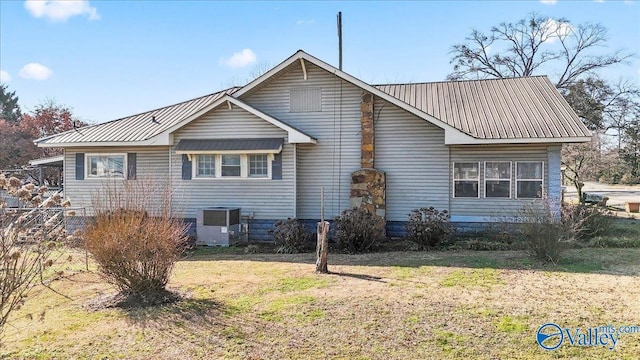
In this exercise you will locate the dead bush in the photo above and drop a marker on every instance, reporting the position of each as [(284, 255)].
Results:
[(291, 236), (429, 227), (357, 231), (136, 239), (25, 249), (545, 234), (588, 221)]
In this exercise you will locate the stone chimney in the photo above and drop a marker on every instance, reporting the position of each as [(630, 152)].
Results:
[(368, 185), (367, 142)]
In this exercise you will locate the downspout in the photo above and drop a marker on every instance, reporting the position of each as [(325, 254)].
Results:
[(449, 179), (295, 180)]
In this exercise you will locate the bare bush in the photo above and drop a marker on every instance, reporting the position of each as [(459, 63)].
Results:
[(358, 231), (544, 233), (428, 227), (588, 221), (291, 236), (25, 251), (136, 238)]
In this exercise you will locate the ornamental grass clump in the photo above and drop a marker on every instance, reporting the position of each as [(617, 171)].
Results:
[(136, 239)]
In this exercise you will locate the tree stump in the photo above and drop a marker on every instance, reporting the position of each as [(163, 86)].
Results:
[(322, 247)]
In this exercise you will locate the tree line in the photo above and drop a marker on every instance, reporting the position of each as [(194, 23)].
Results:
[(18, 130)]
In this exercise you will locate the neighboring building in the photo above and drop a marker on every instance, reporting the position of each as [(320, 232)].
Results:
[(480, 149)]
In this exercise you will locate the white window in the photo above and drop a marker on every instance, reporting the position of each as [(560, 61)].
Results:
[(466, 178), (497, 179), (216, 166), (206, 166), (529, 179), (231, 165), (258, 165), (106, 165)]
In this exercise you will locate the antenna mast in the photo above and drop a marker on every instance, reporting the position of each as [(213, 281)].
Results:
[(340, 40)]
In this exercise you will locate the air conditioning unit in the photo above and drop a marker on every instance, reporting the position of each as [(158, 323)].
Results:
[(218, 226)]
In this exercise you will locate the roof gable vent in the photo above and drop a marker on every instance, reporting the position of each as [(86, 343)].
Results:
[(305, 100)]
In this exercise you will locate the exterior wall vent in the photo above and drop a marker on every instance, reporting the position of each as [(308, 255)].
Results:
[(219, 226), (305, 100)]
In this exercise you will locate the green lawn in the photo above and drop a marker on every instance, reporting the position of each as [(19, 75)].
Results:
[(393, 305)]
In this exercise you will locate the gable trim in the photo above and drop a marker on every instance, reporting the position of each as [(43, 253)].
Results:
[(294, 135)]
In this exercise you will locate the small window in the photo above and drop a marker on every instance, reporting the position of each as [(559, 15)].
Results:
[(258, 165), (529, 179), (111, 165), (466, 176), (497, 179), (231, 165), (206, 166)]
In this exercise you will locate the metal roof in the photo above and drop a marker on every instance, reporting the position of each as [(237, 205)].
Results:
[(270, 144), (138, 127), (53, 161), (513, 108)]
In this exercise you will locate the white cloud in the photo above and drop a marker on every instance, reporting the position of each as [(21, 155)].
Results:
[(556, 29), (548, 2), (305, 22), (61, 10), (35, 71), (4, 77), (240, 59)]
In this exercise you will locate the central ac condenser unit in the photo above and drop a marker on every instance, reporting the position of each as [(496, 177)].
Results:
[(218, 226)]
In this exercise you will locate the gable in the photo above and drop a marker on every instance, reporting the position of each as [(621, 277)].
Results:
[(225, 123)]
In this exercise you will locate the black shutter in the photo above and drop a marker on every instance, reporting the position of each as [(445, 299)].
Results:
[(186, 167), (79, 166), (131, 166), (276, 167)]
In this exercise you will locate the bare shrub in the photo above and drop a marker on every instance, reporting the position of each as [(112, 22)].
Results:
[(357, 231), (24, 250), (588, 221), (291, 236), (543, 231), (136, 238), (429, 227)]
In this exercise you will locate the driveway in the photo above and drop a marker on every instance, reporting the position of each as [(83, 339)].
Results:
[(617, 194)]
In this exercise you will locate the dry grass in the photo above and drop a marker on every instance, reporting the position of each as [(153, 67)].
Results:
[(396, 305)]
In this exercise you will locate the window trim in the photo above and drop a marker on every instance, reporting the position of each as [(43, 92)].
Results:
[(244, 166), (87, 166), (540, 179), (268, 173), (195, 167), (499, 179), (453, 177)]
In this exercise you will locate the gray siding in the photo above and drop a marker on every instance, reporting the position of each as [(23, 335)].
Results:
[(496, 207), (412, 153), (330, 162), (265, 198), (152, 164)]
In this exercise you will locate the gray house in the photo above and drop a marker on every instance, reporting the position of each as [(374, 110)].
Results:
[(480, 149)]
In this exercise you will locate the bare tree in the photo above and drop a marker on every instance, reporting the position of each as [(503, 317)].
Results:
[(526, 47), (582, 162)]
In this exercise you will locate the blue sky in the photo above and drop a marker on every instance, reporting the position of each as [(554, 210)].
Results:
[(109, 59)]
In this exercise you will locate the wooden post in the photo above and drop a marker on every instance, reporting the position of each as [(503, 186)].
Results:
[(322, 245)]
